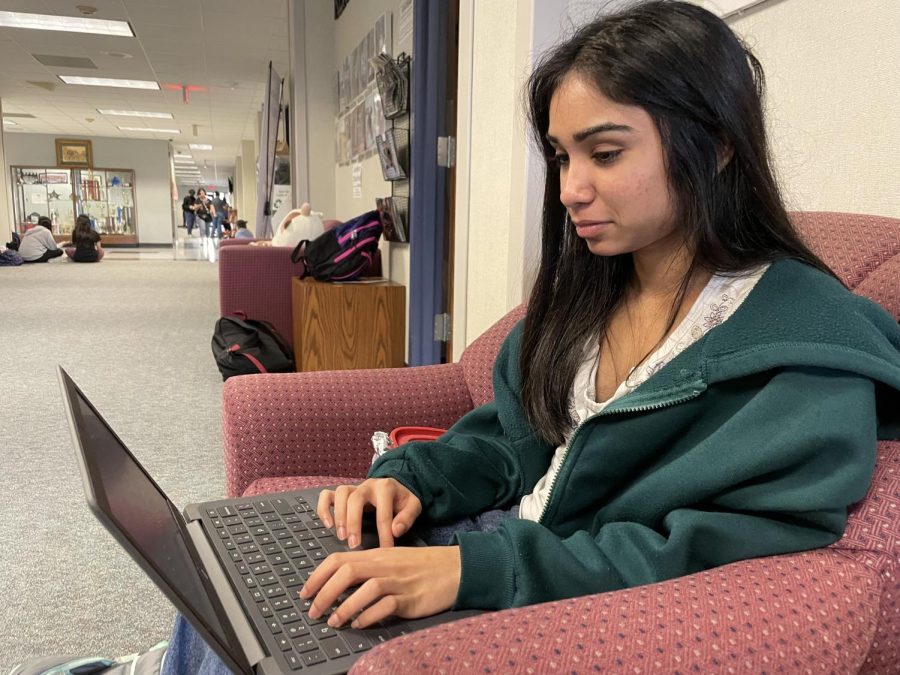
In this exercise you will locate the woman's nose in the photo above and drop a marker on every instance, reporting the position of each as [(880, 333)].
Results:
[(574, 188)]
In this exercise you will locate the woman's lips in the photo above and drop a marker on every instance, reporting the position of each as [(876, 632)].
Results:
[(588, 229)]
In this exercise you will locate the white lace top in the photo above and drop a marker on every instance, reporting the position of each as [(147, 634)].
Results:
[(719, 299)]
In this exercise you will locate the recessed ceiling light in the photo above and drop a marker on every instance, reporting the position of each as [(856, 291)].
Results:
[(117, 55), (200, 146), (109, 82), (155, 131), (135, 113), (68, 24)]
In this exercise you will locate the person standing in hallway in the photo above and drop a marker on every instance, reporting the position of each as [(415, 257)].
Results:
[(205, 210), (187, 209), (221, 213), (38, 244)]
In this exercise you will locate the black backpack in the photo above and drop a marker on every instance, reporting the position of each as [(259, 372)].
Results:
[(343, 253), (244, 346), (16, 241)]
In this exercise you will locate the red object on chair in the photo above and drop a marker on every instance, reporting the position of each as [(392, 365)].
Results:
[(831, 610)]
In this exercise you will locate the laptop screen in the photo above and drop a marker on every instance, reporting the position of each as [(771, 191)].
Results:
[(138, 509)]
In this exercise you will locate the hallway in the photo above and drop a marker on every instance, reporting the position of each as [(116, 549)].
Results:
[(134, 332)]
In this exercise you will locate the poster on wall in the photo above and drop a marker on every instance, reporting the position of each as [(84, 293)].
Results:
[(383, 34), (369, 121), (345, 83), (281, 203), (370, 54), (359, 131)]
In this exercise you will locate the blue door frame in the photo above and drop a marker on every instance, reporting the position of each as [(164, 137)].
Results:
[(428, 181)]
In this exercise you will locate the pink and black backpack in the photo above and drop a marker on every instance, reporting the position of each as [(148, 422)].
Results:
[(342, 253)]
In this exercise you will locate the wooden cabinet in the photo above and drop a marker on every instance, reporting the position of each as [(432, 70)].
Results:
[(342, 326)]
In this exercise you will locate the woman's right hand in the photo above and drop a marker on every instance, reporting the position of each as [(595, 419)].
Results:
[(396, 509)]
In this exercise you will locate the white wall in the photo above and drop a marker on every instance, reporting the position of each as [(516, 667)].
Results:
[(833, 73), (499, 173), (148, 159)]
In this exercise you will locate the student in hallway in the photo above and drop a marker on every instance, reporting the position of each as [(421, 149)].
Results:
[(188, 208), (85, 246), (38, 244), (652, 414), (242, 231)]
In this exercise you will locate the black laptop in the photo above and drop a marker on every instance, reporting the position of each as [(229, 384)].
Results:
[(231, 567)]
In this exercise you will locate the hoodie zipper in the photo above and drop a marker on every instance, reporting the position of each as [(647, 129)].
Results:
[(639, 408)]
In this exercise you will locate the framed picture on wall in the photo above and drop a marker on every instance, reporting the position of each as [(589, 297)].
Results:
[(72, 152)]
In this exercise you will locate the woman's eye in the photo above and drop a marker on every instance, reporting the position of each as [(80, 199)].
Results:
[(606, 156), (559, 160)]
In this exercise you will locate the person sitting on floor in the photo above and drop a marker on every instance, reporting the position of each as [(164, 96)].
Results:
[(38, 244), (242, 231), (85, 246)]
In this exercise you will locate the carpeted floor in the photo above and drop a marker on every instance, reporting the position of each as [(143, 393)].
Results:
[(135, 336)]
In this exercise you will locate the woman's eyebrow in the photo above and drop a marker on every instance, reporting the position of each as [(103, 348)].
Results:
[(590, 131)]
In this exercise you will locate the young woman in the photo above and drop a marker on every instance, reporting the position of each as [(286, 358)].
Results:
[(652, 414), (85, 246), (204, 210)]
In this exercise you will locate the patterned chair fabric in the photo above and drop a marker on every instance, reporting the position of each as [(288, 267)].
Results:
[(834, 610)]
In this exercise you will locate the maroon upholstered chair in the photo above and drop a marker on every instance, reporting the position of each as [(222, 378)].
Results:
[(834, 610), (256, 280)]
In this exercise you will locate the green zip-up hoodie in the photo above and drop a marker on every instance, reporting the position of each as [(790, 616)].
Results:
[(751, 442)]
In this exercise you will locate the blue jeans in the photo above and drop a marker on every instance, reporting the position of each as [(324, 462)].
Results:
[(189, 654), (217, 226), (189, 217)]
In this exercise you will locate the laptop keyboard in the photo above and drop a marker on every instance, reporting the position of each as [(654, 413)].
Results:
[(274, 545)]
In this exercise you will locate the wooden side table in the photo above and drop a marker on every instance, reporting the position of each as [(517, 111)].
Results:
[(342, 326)]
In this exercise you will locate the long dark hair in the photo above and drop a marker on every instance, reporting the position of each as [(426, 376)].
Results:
[(82, 229), (703, 88)]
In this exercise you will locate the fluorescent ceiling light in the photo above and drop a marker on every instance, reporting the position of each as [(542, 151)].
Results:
[(200, 146), (187, 160), (11, 123), (135, 113), (108, 82), (181, 155), (69, 24), (155, 131)]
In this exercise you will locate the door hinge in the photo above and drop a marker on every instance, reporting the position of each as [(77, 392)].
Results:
[(446, 151), (442, 327)]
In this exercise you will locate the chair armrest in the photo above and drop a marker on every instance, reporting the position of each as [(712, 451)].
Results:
[(808, 612), (321, 423)]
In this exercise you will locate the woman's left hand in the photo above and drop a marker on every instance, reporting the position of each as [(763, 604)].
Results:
[(406, 582)]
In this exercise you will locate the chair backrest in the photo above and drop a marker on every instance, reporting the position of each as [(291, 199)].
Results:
[(865, 252)]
